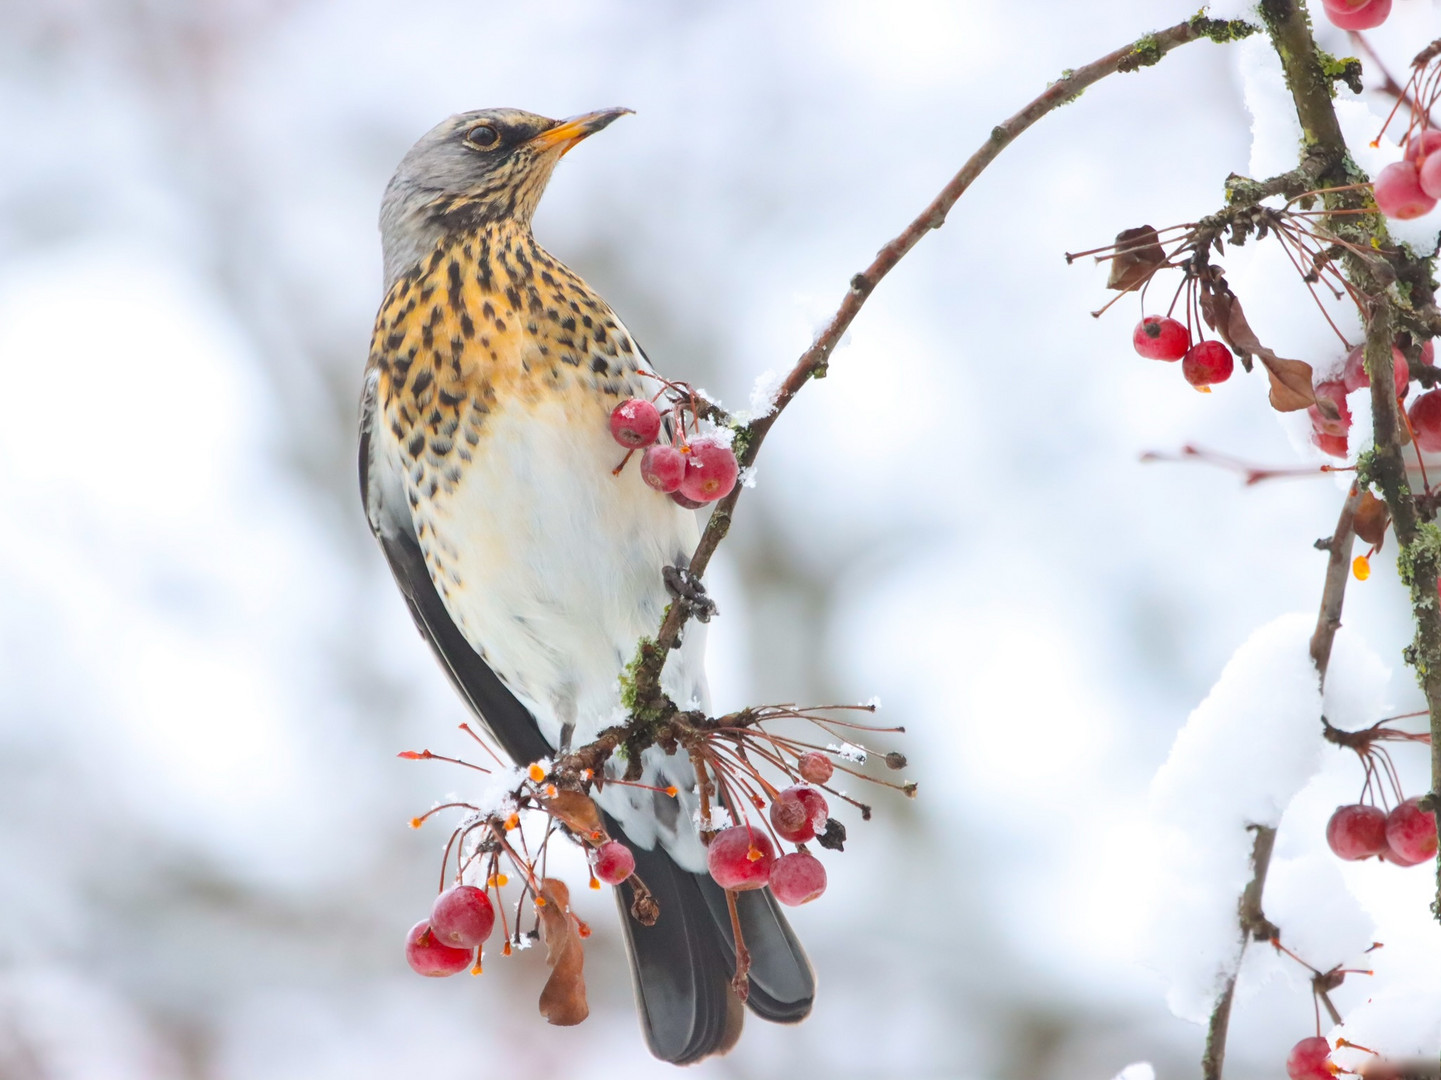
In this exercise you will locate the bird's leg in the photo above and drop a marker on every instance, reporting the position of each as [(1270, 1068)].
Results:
[(566, 731), (688, 590)]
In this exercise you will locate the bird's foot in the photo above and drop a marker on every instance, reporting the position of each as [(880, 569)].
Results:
[(688, 591)]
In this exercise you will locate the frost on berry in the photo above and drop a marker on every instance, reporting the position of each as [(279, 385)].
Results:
[(710, 471), (816, 768), (1410, 834), (1160, 338), (1399, 194), (798, 813), (1357, 831), (797, 878), (1207, 363), (740, 858), (462, 917), (1357, 14), (1310, 1059), (663, 467), (1425, 417), (635, 422), (614, 862), (427, 955)]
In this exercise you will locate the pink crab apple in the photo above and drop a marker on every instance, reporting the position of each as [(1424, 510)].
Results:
[(1399, 194), (1207, 363), (1353, 15), (711, 470), (1421, 144), (1357, 831), (635, 422), (1428, 175), (740, 858), (1411, 834), (1159, 338), (816, 768), (1310, 1059), (798, 878), (428, 955), (1354, 376), (1425, 417), (462, 917), (614, 862), (663, 467), (798, 812)]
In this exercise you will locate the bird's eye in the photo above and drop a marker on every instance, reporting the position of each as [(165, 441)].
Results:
[(483, 136)]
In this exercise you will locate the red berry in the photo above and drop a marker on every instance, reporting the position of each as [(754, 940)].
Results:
[(797, 878), (679, 499), (1421, 144), (1428, 352), (614, 862), (1207, 363), (1354, 374), (814, 767), (1310, 1059), (1411, 834), (710, 471), (634, 422), (1335, 445), (797, 813), (1158, 338), (1425, 416), (462, 917), (663, 467), (740, 857), (1350, 15), (1333, 391), (428, 956), (1398, 191), (1428, 175), (1357, 831)]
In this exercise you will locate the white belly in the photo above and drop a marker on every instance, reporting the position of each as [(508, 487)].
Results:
[(551, 568)]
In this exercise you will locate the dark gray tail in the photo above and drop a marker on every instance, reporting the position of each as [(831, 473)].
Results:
[(682, 966)]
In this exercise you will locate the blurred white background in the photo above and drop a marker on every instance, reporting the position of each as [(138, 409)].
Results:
[(206, 671)]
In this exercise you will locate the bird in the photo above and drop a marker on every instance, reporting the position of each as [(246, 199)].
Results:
[(530, 568)]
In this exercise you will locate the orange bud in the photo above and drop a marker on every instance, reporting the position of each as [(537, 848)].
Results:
[(1361, 567), (505, 950), (671, 790), (416, 822), (476, 970), (754, 854), (537, 774), (512, 821), (540, 901)]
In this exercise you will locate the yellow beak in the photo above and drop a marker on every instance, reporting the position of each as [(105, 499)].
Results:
[(569, 132)]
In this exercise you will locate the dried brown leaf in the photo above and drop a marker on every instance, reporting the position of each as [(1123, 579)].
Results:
[(576, 812), (1372, 518), (562, 999), (1138, 255), (1291, 388)]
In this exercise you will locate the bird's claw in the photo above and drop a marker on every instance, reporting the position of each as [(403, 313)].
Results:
[(688, 591)]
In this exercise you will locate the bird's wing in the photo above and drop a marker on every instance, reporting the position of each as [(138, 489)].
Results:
[(509, 722)]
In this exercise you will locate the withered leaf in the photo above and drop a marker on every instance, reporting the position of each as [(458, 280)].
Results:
[(1372, 518), (1291, 388), (576, 812), (1138, 255), (562, 999)]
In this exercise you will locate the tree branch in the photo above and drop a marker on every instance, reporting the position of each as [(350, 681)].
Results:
[(1143, 52)]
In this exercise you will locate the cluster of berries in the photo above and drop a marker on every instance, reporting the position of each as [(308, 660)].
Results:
[(1159, 337), (1409, 188), (1406, 836), (1310, 1059), (1330, 433), (693, 472), (742, 857), (461, 919), (1357, 14)]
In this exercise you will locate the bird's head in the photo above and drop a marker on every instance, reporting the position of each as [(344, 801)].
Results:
[(490, 165)]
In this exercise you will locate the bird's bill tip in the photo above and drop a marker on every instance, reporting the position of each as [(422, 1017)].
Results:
[(568, 132)]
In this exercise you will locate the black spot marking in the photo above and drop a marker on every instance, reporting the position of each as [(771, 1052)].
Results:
[(449, 400), (416, 444), (598, 365), (568, 325), (467, 324), (422, 382)]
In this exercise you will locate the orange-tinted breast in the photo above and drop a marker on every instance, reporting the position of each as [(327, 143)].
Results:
[(489, 321)]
